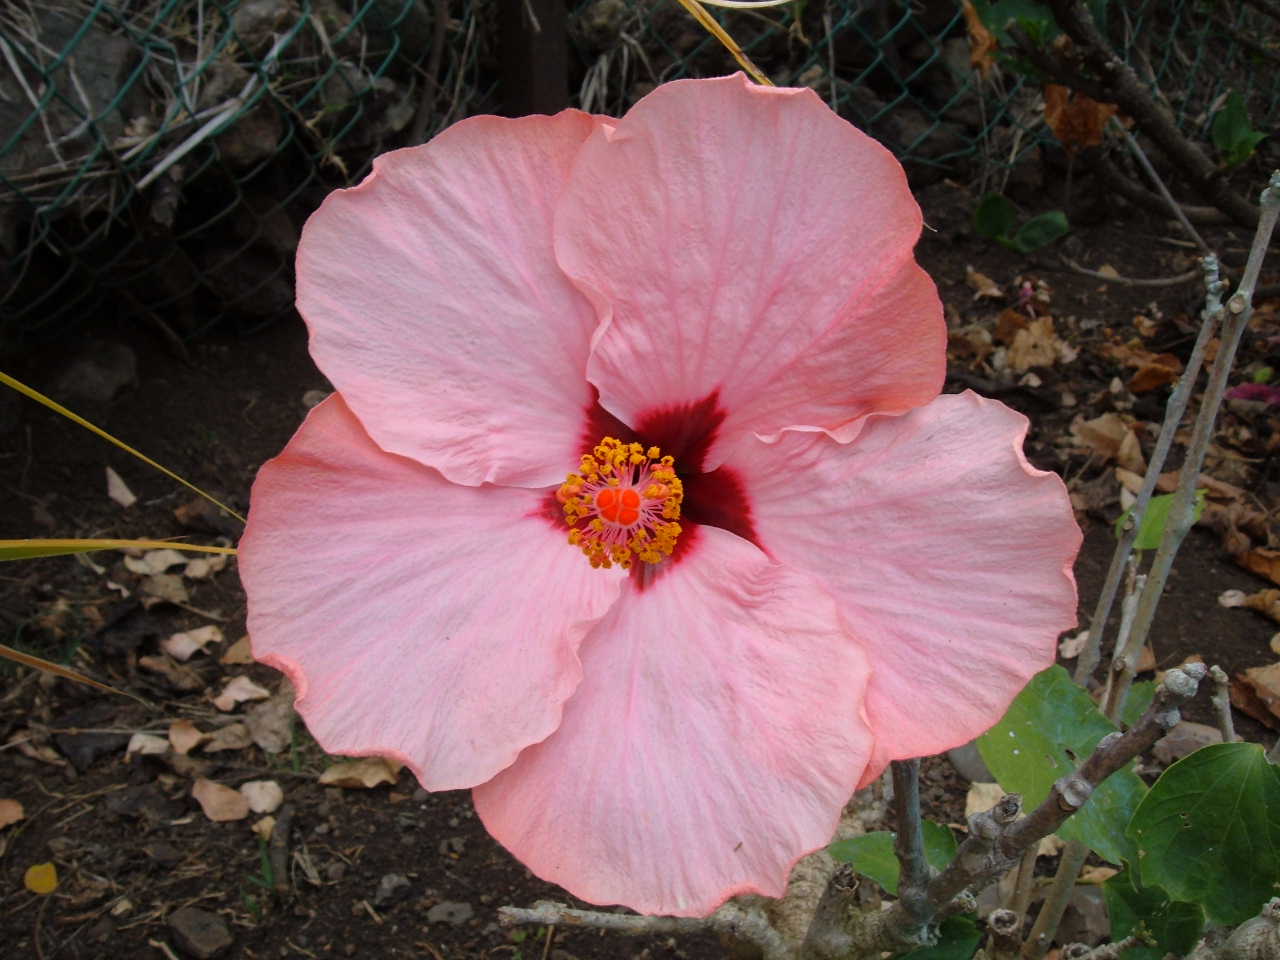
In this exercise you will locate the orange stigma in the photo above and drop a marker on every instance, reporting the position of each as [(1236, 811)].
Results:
[(623, 504)]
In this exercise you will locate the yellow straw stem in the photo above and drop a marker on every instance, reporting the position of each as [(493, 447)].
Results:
[(58, 670), (699, 13), (30, 549), (53, 405)]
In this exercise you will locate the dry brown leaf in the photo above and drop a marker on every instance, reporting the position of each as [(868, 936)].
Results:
[(1263, 561), (119, 491), (1257, 693), (1097, 874), (364, 773), (10, 812), (1035, 346), (238, 652), (184, 736), (146, 744), (220, 803), (271, 723), (234, 736), (181, 646), (180, 677), (1075, 119), (42, 878), (1071, 646), (1266, 602), (264, 796), (982, 43), (1111, 437), (981, 797), (237, 690), (1129, 480), (1010, 321), (264, 827), (983, 285)]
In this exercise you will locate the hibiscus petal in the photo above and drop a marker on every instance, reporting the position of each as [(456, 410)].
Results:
[(949, 555), (436, 307), (411, 613), (745, 240), (714, 740)]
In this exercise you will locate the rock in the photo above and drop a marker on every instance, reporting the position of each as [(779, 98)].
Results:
[(199, 933), (1185, 738), (450, 912), (392, 888)]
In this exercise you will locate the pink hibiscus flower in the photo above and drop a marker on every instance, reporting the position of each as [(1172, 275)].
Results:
[(830, 565)]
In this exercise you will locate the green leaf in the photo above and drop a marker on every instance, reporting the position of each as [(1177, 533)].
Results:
[(1135, 704), (1209, 831), (1035, 19), (995, 217), (1263, 375), (1232, 133), (1155, 519), (1041, 231), (1050, 727), (1171, 926), (871, 854), (958, 939)]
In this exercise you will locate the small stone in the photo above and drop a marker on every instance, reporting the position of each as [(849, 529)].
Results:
[(450, 912), (452, 846), (392, 888), (199, 933)]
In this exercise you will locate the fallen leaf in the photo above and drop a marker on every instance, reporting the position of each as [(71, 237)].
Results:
[(184, 736), (264, 828), (1266, 602), (1129, 480), (180, 677), (41, 878), (154, 561), (271, 723), (971, 341), (1108, 271), (10, 812), (181, 646), (238, 652), (234, 736), (1010, 321), (364, 773), (1111, 437), (201, 568), (1071, 646), (1034, 346), (263, 796), (1257, 693), (982, 44), (981, 797), (220, 803), (1263, 561), (1275, 643), (1097, 874), (1075, 119), (982, 284), (237, 691), (146, 744), (119, 491), (164, 588)]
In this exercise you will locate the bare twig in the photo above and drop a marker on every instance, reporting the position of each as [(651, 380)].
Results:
[(1136, 149), (1174, 410), (1055, 903), (1238, 311), (431, 85), (747, 925), (1222, 703), (1133, 281)]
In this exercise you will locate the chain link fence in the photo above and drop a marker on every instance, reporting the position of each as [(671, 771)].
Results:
[(158, 156), (901, 70)]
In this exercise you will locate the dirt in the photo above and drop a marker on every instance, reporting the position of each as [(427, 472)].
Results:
[(130, 844)]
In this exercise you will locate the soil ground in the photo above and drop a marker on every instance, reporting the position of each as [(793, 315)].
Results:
[(132, 846)]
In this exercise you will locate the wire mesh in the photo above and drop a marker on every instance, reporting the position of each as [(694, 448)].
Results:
[(157, 156), (902, 72)]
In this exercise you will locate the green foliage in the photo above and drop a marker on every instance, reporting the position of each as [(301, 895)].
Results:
[(1168, 926), (1135, 704), (1049, 728), (1263, 375), (997, 219), (1033, 17), (872, 853), (958, 939), (1155, 519), (1232, 133), (1209, 831)]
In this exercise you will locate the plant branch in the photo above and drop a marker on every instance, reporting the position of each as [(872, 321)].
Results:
[(1238, 311), (1221, 699), (1174, 409), (909, 842), (1138, 195), (1055, 904)]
